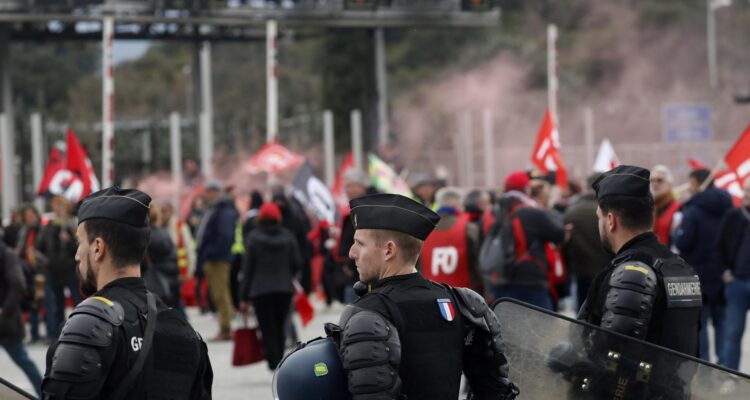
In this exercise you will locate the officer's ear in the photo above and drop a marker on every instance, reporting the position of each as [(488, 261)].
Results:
[(389, 250), (98, 248), (613, 222)]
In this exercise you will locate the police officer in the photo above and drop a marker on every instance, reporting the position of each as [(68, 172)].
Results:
[(647, 292), (408, 336), (122, 342)]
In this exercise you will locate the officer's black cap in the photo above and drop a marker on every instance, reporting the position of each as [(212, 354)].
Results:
[(128, 206), (624, 180), (393, 212)]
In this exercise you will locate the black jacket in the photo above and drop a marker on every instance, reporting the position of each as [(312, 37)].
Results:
[(59, 256), (11, 290), (272, 259), (698, 235), (583, 253), (160, 270), (732, 254)]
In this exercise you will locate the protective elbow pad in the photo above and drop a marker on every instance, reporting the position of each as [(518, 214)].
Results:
[(371, 354), (630, 299), (77, 364), (479, 315)]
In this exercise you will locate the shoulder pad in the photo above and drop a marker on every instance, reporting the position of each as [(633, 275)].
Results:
[(102, 307), (634, 275), (92, 322)]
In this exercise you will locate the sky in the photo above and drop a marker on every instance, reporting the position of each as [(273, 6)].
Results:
[(126, 50)]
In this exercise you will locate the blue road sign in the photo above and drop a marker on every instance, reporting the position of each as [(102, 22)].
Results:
[(686, 122)]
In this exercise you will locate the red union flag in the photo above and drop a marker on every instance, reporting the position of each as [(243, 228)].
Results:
[(738, 157), (79, 164), (339, 195), (728, 181), (546, 155), (273, 158)]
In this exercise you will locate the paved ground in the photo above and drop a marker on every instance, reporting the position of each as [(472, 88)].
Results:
[(251, 382)]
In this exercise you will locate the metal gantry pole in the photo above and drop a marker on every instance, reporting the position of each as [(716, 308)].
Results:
[(37, 154), (108, 103), (489, 149), (175, 152), (328, 147), (206, 117), (272, 101), (382, 86), (356, 124)]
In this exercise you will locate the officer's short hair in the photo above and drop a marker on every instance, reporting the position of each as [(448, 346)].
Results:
[(409, 246), (126, 243), (633, 212)]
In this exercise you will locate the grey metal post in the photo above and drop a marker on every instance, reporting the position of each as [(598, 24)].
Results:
[(588, 121), (205, 146), (382, 85), (328, 146), (356, 123), (175, 152), (37, 154), (8, 195), (489, 149), (207, 113), (7, 125)]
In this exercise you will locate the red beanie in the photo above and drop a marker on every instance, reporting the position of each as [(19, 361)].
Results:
[(269, 211), (517, 180)]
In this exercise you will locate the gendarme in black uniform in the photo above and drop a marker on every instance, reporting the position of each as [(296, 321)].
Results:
[(109, 350), (408, 337), (648, 292)]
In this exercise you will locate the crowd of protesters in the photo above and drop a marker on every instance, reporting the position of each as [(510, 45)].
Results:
[(529, 241)]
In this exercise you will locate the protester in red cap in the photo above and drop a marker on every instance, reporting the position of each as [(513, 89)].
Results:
[(271, 263)]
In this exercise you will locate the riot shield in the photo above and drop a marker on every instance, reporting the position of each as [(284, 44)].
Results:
[(9, 391), (555, 357)]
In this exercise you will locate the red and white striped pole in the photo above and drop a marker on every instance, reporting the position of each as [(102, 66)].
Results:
[(272, 107), (108, 103), (552, 82)]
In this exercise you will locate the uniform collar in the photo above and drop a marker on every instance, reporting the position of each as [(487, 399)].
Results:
[(644, 237), (135, 284), (394, 279)]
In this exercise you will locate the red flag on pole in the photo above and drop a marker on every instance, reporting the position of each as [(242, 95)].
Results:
[(738, 157), (79, 164), (546, 155), (54, 165)]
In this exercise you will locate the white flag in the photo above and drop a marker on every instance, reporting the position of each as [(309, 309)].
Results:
[(606, 159)]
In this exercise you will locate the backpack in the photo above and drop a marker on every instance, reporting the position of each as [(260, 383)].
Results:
[(498, 252)]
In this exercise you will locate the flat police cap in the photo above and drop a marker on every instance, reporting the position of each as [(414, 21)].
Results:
[(624, 180), (393, 212), (128, 206)]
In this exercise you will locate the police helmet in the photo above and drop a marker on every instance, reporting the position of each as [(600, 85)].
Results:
[(311, 372)]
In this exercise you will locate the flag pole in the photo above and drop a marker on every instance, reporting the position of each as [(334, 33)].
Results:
[(108, 103)]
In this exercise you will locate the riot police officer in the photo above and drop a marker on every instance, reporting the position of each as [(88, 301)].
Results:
[(122, 342), (647, 292), (408, 336)]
